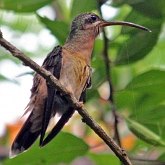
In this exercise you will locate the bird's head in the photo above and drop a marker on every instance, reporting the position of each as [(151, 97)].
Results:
[(86, 21), (92, 22)]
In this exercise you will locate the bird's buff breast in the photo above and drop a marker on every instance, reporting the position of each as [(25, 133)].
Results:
[(74, 74)]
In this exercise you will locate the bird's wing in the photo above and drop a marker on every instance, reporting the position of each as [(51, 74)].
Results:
[(40, 105), (65, 117), (59, 125), (52, 63), (87, 85)]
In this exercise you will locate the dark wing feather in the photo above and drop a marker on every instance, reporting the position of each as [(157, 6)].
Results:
[(53, 61), (24, 139), (53, 64), (66, 116), (88, 84), (62, 121), (39, 106)]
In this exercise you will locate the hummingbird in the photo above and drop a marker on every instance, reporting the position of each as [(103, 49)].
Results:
[(71, 65)]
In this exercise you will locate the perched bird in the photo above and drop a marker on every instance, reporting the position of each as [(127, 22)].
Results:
[(70, 64)]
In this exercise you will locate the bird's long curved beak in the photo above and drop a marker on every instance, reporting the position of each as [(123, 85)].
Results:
[(122, 23)]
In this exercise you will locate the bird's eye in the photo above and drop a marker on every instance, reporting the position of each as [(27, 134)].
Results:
[(93, 17)]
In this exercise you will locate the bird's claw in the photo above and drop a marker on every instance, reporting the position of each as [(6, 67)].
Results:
[(81, 104)]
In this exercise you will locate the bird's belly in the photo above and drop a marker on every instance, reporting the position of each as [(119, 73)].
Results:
[(74, 76)]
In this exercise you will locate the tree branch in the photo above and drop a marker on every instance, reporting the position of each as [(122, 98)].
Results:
[(120, 153), (111, 90)]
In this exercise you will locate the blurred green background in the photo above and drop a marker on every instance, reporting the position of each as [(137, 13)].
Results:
[(137, 67)]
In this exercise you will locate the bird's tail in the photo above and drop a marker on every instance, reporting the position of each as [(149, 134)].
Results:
[(59, 125), (27, 135)]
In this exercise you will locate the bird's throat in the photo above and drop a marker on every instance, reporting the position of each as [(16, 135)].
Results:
[(81, 43)]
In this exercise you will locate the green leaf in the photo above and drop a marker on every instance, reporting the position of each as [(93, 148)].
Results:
[(153, 8), (144, 133), (92, 94), (63, 149), (82, 6), (156, 57), (139, 43), (98, 66), (117, 3), (3, 78), (23, 6), (138, 102), (152, 118), (104, 159), (162, 157), (141, 20), (122, 101), (60, 29), (150, 81)]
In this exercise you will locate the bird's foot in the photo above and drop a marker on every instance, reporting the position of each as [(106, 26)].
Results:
[(81, 104)]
